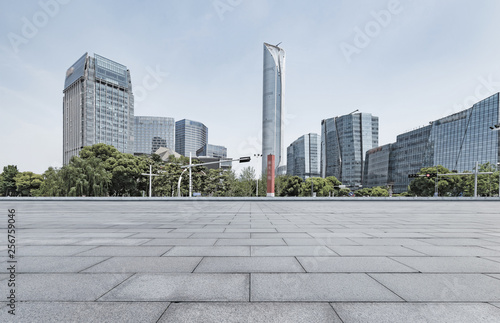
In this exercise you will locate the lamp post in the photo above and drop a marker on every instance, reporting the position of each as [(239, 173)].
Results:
[(150, 177)]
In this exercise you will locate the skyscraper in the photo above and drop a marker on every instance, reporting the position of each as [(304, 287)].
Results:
[(272, 105), (98, 106), (344, 143), (151, 133), (303, 156), (190, 136)]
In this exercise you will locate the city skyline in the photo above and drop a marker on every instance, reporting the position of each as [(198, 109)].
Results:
[(407, 63)]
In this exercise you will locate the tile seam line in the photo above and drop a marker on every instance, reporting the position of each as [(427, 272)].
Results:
[(164, 312), (100, 262), (391, 258), (369, 275), (335, 311), (132, 275)]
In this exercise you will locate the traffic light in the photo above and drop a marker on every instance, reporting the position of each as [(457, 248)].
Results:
[(430, 175), (413, 175)]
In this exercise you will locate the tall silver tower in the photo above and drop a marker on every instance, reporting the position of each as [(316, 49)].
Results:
[(272, 105)]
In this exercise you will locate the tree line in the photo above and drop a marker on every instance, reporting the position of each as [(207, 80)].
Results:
[(101, 170)]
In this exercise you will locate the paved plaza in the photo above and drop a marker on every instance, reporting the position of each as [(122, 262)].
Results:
[(164, 260)]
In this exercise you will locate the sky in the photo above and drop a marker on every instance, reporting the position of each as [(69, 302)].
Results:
[(408, 62)]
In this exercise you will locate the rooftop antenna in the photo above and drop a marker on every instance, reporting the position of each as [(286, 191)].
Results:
[(278, 43)]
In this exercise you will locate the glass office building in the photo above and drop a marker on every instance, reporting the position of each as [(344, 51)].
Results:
[(212, 151), (272, 106), (151, 133), (456, 142), (303, 157), (190, 136), (344, 143), (98, 106), (377, 166)]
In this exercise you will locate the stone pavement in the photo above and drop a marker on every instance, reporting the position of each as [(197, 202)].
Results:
[(252, 261)]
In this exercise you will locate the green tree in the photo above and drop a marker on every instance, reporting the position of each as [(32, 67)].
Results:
[(321, 186), (424, 186), (85, 177), (7, 180), (27, 183), (288, 185), (52, 184), (247, 182)]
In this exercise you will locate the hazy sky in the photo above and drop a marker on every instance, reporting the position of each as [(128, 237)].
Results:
[(407, 62)]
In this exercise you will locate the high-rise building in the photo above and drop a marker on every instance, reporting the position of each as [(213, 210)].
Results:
[(456, 142), (303, 157), (98, 106), (212, 151), (151, 133), (272, 106), (190, 136), (377, 166), (344, 143)]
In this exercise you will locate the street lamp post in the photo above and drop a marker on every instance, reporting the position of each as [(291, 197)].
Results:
[(150, 177)]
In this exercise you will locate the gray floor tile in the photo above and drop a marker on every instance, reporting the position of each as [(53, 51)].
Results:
[(417, 312), (220, 235), (352, 264), (450, 264), (496, 259), (111, 242), (284, 251), (318, 288), (181, 242), (320, 242), (205, 251), (250, 312), (459, 242), (374, 251), (146, 265), (86, 312), (56, 264), (182, 287), (250, 242), (412, 235), (47, 242), (51, 250), (66, 287), (458, 251), (249, 265), (295, 235), (252, 230), (442, 287), (333, 235), (162, 235), (389, 242), (117, 251)]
